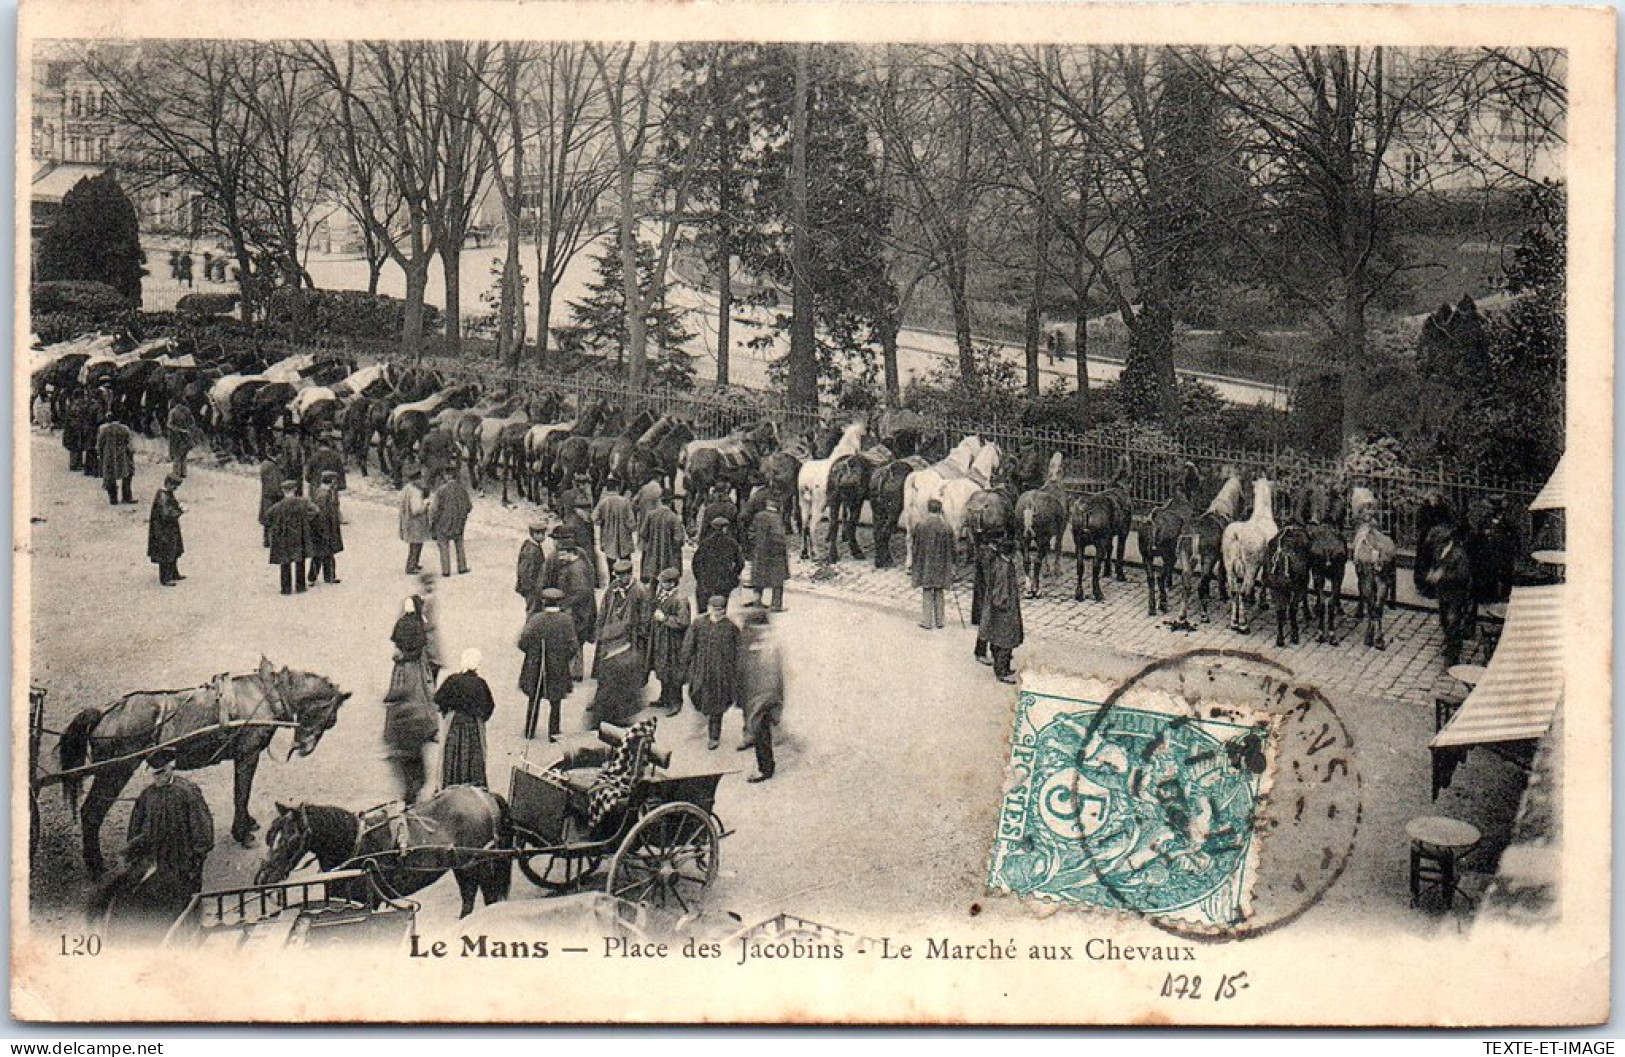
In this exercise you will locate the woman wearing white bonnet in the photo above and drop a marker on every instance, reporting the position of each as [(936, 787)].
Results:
[(467, 699)]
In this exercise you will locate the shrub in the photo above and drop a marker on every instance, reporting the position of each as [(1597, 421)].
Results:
[(53, 327), (355, 314), (96, 236), (83, 296), (197, 305)]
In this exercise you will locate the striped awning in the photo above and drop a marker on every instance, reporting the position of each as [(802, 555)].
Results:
[(1551, 497), (1524, 681)]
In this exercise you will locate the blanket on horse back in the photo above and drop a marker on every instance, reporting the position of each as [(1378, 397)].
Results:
[(878, 456)]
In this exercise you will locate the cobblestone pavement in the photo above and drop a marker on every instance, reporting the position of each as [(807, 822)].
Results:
[(1410, 670)]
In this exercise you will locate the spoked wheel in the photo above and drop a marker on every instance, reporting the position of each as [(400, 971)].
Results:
[(549, 868), (669, 859)]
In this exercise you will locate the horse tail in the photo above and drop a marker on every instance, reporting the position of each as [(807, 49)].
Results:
[(1027, 521), (501, 868), (73, 750)]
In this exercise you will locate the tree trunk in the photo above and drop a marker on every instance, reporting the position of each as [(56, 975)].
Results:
[(636, 321), (544, 318), (1080, 348), (724, 267), (451, 258), (417, 282), (1351, 347), (889, 329), (803, 365), (962, 335), (1033, 330)]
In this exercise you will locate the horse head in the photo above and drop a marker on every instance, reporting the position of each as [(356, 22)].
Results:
[(986, 462), (287, 843), (312, 701)]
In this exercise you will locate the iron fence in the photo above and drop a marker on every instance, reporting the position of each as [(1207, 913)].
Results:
[(1155, 465)]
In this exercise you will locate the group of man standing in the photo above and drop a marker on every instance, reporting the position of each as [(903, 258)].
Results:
[(304, 534), (996, 589), (644, 625)]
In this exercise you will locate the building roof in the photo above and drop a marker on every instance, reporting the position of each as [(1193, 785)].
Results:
[(53, 181), (1551, 497)]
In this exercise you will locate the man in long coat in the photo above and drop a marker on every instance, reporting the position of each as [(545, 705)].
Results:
[(449, 507), (548, 641), (164, 545), (933, 568), (716, 564), (439, 449), (414, 520), (648, 497), (528, 569), (761, 689), (78, 430), (1001, 624), (568, 571), (326, 530), (616, 524), (770, 556), (170, 828), (711, 657), (181, 429), (323, 460), (577, 517), (289, 523), (660, 540), (623, 614), (720, 505), (117, 460), (271, 478), (986, 552), (669, 620), (618, 696)]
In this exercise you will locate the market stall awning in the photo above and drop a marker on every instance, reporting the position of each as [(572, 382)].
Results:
[(1524, 681), (1551, 497)]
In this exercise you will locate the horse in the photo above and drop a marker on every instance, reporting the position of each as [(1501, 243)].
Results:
[(410, 422), (1286, 574), (1323, 512), (779, 471), (731, 461), (850, 485), (1435, 511), (990, 513), (957, 494), (1451, 579), (232, 717), (1029, 470), (1493, 547), (1373, 554), (1100, 520), (1040, 517), (572, 455), (812, 483), (1160, 534), (620, 448), (1243, 547), (922, 486), (464, 829), (886, 502)]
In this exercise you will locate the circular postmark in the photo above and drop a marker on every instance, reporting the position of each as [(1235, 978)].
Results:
[(1211, 793)]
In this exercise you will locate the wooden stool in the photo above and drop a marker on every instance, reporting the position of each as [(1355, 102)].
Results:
[(1437, 847)]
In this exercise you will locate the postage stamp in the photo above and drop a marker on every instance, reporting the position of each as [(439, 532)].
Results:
[(1132, 809)]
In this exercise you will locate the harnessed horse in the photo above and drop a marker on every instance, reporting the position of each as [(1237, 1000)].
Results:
[(1243, 547)]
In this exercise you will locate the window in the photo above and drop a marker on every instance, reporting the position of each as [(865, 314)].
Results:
[(73, 148), (73, 105), (102, 153), (1415, 168)]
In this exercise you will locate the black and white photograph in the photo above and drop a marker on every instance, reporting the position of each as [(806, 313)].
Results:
[(763, 514)]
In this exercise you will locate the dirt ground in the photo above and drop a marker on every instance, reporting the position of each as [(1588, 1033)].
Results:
[(892, 753)]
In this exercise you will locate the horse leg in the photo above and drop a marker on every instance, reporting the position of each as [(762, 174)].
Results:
[(1103, 556), (834, 546), (1151, 585), (854, 513), (468, 884), (104, 791), (1120, 544), (243, 824), (1077, 549)]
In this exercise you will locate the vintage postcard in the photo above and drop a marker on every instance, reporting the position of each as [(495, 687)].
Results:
[(812, 513)]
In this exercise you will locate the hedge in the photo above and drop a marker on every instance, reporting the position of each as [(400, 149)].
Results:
[(81, 296), (206, 305), (342, 313)]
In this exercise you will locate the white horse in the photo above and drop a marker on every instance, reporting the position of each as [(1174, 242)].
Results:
[(1243, 549), (812, 483), (922, 486), (957, 492)]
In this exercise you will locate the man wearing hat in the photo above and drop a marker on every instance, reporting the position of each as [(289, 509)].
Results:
[(164, 532), (414, 519), (624, 614), (548, 641), (761, 691), (171, 829), (1001, 621), (717, 563), (323, 460), (271, 478), (528, 573), (577, 517), (117, 460), (466, 698), (618, 698), (711, 659), (568, 571), (770, 555), (669, 619), (646, 498), (720, 505), (289, 523), (660, 539), (449, 507), (616, 525), (933, 563), (181, 428), (326, 530)]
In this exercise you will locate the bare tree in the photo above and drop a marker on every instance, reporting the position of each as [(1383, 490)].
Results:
[(458, 72)]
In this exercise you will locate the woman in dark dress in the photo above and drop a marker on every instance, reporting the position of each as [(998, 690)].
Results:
[(467, 698)]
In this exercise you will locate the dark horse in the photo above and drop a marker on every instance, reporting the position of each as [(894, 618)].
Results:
[(886, 502), (195, 724), (1040, 516), (1286, 574), (1160, 534), (465, 829), (851, 479), (1323, 511), (1098, 521), (1450, 576)]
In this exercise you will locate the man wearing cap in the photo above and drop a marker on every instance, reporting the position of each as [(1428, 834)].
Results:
[(568, 571), (170, 828), (325, 459), (720, 505), (986, 553), (660, 539), (289, 523), (414, 519), (271, 478), (164, 546), (528, 573), (1001, 623), (181, 429), (114, 455), (770, 556), (449, 507), (624, 613), (326, 530), (618, 696), (761, 689), (716, 564), (616, 525), (933, 566), (548, 641), (466, 698), (577, 517), (647, 498), (669, 618), (711, 659)]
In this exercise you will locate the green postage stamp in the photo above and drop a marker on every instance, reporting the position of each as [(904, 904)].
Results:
[(1132, 810)]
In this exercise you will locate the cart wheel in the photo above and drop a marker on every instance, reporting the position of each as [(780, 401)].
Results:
[(547, 868), (668, 860)]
